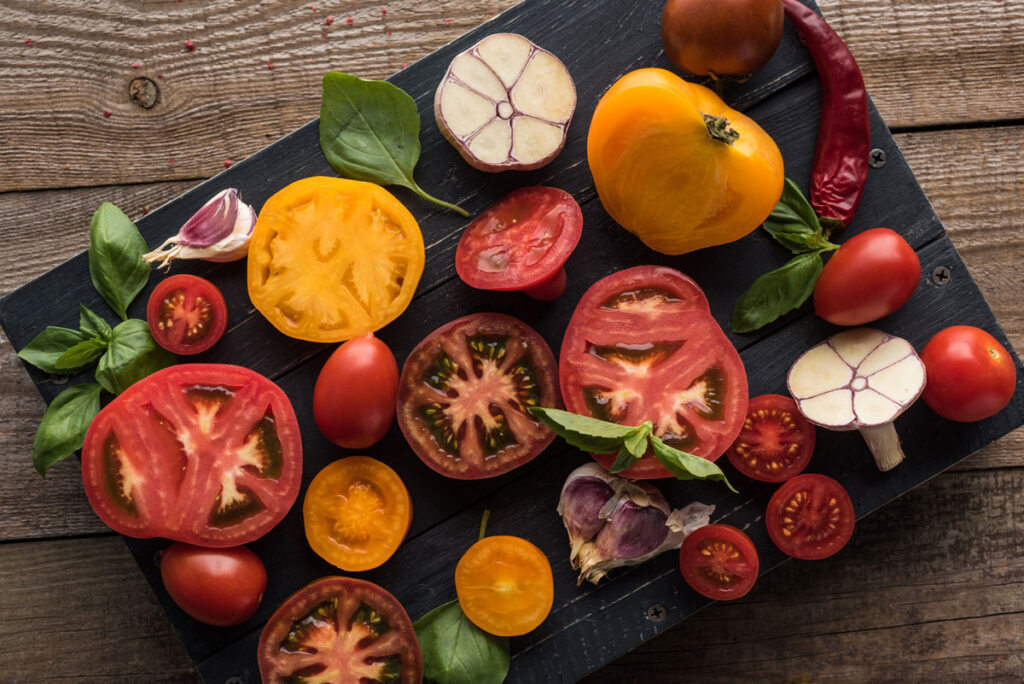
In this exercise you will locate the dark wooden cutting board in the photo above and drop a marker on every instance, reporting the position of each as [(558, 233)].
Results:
[(588, 626)]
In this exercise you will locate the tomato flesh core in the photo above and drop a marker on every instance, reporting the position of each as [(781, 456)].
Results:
[(810, 517), (776, 441)]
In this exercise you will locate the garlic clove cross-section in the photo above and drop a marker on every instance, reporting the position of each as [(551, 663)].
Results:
[(505, 104), (859, 379)]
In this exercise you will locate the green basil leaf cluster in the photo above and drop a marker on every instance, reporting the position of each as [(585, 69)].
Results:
[(370, 131), (116, 265), (455, 651), (795, 226)]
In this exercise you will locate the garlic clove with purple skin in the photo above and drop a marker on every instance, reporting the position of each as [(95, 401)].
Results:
[(584, 495), (219, 231)]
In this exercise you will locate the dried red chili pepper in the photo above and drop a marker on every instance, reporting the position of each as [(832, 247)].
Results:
[(844, 134)]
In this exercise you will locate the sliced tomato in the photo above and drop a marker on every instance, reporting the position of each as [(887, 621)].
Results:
[(521, 243), (719, 561), (776, 441), (642, 345), (464, 394), (810, 517), (339, 629), (186, 314), (207, 454)]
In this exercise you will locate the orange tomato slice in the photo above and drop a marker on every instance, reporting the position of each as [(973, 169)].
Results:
[(356, 513), (505, 585), (331, 259)]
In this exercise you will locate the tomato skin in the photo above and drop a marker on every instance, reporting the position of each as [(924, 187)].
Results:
[(970, 376), (180, 302), (724, 37), (719, 562), (221, 587), (810, 517), (354, 396), (776, 441), (870, 276)]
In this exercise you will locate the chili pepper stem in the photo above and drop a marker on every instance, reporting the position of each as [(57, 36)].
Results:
[(830, 226), (720, 129)]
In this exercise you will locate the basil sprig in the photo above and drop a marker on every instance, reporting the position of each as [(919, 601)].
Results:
[(629, 444), (455, 651), (795, 226)]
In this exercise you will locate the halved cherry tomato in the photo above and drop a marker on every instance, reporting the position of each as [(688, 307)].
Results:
[(464, 394), (186, 314), (221, 587), (776, 441), (340, 629), (356, 513), (207, 454), (331, 259), (642, 345), (521, 243), (970, 375), (719, 561), (505, 585), (810, 517)]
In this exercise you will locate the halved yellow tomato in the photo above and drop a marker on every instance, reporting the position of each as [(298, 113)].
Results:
[(331, 259)]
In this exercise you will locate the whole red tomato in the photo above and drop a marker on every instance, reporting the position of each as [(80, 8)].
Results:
[(221, 587), (354, 396), (970, 375), (721, 37), (870, 276)]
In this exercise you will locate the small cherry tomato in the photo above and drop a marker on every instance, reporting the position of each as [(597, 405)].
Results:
[(719, 561), (810, 517), (186, 314), (869, 277), (356, 513), (723, 37), (354, 396), (220, 587), (505, 585), (776, 441), (970, 376)]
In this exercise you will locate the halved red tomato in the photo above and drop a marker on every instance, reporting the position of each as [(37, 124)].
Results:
[(464, 394), (642, 345), (340, 629), (776, 441), (810, 517), (719, 561), (186, 314), (207, 454)]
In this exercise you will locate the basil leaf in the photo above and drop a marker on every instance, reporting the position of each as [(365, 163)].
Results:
[(686, 466), (370, 131), (777, 292), (48, 346), (793, 222), (62, 430), (91, 324), (633, 448), (455, 651), (81, 355), (584, 432), (131, 356), (115, 258)]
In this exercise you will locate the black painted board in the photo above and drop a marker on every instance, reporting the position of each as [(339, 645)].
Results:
[(588, 626)]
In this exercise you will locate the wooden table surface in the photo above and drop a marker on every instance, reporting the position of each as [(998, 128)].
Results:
[(930, 589)]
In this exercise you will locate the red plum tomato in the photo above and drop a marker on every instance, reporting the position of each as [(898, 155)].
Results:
[(221, 587), (719, 561), (869, 277), (723, 37), (186, 314), (970, 376), (355, 393)]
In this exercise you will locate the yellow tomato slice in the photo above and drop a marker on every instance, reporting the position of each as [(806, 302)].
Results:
[(505, 585), (356, 513), (331, 259)]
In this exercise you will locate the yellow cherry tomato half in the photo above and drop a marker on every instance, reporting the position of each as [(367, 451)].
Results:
[(505, 585), (356, 513)]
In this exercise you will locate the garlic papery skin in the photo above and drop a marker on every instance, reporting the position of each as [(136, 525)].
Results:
[(219, 231)]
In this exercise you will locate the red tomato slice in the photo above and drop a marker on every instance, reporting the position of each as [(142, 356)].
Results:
[(186, 314), (339, 629), (464, 394), (810, 517), (719, 561), (642, 345), (521, 243), (207, 454), (776, 441)]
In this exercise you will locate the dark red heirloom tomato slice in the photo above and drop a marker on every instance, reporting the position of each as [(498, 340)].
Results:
[(719, 561), (186, 314), (339, 629), (220, 587), (642, 345), (776, 441), (464, 394), (810, 517), (521, 243), (207, 454)]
